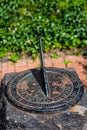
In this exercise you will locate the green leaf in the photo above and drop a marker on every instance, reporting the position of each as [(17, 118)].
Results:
[(66, 62), (54, 55), (14, 57)]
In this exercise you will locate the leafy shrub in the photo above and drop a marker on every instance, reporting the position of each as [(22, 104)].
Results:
[(61, 23)]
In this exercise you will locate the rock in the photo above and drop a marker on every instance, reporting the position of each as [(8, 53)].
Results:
[(11, 118), (78, 108)]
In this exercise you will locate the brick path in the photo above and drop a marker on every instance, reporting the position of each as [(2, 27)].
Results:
[(79, 63)]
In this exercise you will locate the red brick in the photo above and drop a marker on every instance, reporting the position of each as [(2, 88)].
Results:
[(20, 69), (75, 58), (77, 63), (33, 64), (7, 67), (58, 63), (0, 76), (48, 62), (21, 63)]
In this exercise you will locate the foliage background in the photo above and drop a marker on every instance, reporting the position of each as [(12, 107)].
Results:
[(61, 23)]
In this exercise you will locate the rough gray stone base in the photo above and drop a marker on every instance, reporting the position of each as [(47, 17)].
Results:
[(12, 118)]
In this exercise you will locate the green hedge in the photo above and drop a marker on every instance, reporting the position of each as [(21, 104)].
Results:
[(61, 23)]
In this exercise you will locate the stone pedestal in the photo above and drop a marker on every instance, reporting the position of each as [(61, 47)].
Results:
[(12, 118)]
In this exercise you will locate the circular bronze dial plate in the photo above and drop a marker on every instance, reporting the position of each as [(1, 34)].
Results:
[(25, 90)]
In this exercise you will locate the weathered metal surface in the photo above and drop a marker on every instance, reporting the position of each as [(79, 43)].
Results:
[(25, 90)]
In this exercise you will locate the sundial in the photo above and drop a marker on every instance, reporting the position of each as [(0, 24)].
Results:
[(44, 89)]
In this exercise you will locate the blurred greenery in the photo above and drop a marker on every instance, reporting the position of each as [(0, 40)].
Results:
[(66, 62), (61, 23)]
